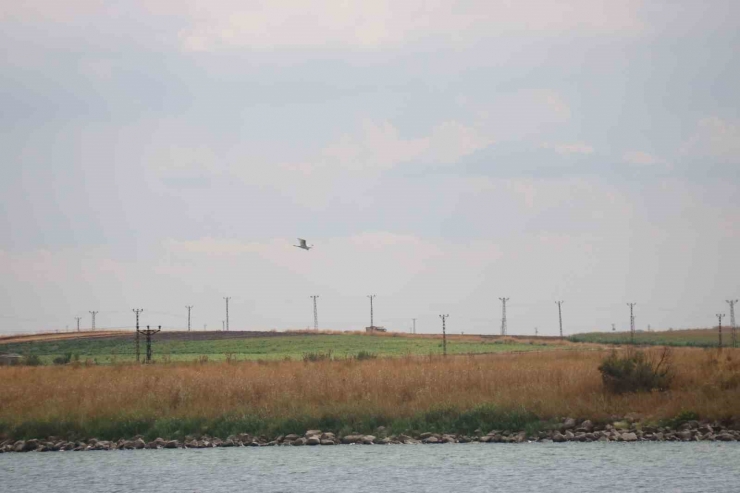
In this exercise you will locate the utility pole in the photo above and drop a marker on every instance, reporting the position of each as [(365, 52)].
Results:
[(632, 322), (503, 316), (444, 334), (614, 328), (78, 323), (560, 317), (732, 321), (537, 332), (227, 298), (223, 325), (149, 333), (413, 330), (93, 319), (372, 323), (315, 313), (137, 311), (189, 307), (720, 316)]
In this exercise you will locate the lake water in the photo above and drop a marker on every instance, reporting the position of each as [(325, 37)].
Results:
[(532, 468)]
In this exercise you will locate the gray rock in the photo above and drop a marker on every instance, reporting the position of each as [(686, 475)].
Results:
[(684, 435), (327, 442), (313, 440), (587, 425), (368, 439), (569, 424), (425, 435), (557, 437), (352, 439), (290, 438), (298, 442), (311, 433), (173, 444), (629, 437), (431, 439)]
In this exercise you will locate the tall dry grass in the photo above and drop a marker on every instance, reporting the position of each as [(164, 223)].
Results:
[(546, 384)]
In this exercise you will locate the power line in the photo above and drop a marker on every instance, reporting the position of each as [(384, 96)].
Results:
[(189, 307), (732, 321), (93, 313), (560, 317), (227, 298), (720, 316), (444, 334), (315, 313), (78, 323), (503, 316), (632, 322), (372, 322)]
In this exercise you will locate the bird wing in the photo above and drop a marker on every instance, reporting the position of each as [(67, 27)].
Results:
[(302, 242)]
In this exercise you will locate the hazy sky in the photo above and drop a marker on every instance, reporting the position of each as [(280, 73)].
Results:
[(439, 154)]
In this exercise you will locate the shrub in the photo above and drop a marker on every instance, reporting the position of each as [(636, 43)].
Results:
[(32, 360), (316, 356), (364, 355), (63, 360), (636, 371)]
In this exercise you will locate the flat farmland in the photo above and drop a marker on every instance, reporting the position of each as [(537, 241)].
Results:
[(687, 337), (236, 345)]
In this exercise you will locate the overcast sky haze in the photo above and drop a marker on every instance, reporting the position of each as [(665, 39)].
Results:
[(439, 154)]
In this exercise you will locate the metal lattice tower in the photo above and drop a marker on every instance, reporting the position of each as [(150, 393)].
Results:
[(93, 320), (372, 322), (78, 323), (560, 317), (315, 313), (138, 354), (720, 316), (503, 316), (227, 298), (444, 334), (189, 307), (732, 321), (632, 322)]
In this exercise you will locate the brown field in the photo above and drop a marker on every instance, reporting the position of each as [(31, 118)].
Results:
[(547, 384), (56, 336)]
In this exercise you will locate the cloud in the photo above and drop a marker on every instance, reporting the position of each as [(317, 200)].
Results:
[(641, 158), (577, 148), (379, 146), (717, 138), (327, 24)]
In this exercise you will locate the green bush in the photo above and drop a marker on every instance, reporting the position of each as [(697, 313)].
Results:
[(32, 360), (316, 356), (635, 371), (63, 360), (363, 355)]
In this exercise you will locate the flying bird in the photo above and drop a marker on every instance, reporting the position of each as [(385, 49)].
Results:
[(303, 244)]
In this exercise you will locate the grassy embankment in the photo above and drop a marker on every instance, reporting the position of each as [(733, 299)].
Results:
[(216, 346), (689, 337), (453, 394)]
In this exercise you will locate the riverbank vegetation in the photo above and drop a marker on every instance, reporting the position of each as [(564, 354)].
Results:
[(455, 394)]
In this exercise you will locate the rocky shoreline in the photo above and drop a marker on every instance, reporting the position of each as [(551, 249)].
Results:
[(568, 431)]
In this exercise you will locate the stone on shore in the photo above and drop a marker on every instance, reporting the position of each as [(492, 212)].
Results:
[(629, 437)]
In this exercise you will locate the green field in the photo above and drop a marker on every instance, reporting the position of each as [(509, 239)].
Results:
[(690, 337), (189, 346)]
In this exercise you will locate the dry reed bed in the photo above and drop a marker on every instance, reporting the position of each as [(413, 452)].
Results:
[(548, 384)]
